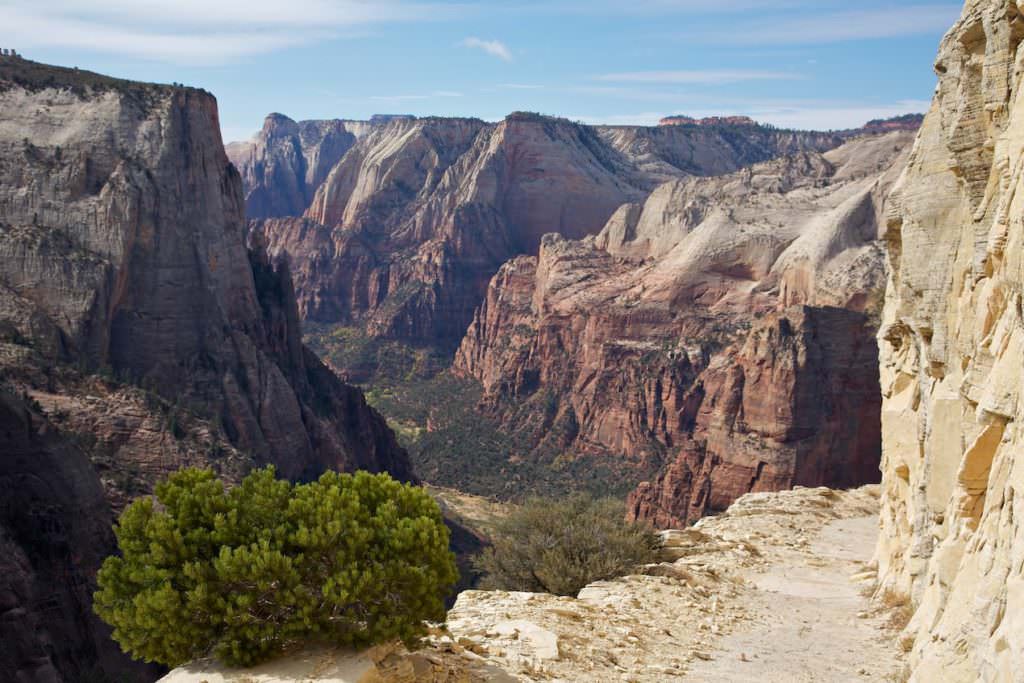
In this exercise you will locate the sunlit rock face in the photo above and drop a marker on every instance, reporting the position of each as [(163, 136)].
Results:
[(403, 234), (952, 343), (138, 334), (721, 332)]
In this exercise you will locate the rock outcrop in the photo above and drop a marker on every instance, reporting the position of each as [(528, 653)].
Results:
[(722, 329), (285, 163), (404, 233), (669, 621), (55, 530), (952, 344), (140, 330)]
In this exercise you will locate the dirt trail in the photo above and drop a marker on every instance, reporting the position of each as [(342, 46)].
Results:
[(808, 619)]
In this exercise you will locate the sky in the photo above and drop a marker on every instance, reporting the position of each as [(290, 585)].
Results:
[(821, 64)]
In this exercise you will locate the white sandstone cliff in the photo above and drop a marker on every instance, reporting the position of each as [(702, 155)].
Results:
[(952, 345)]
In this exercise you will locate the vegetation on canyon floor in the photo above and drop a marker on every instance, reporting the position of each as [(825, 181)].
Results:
[(248, 572), (560, 546), (452, 443)]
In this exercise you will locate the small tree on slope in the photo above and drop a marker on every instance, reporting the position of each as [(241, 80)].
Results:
[(248, 572), (559, 546)]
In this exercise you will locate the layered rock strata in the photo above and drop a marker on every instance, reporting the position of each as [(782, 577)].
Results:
[(137, 325), (722, 329), (285, 163), (406, 230), (952, 343)]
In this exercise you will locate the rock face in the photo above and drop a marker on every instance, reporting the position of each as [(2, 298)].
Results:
[(54, 533), (721, 329), (286, 162), (407, 229), (133, 316), (952, 342)]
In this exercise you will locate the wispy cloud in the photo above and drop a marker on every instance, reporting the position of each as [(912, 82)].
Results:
[(840, 26), (701, 77), (495, 48), (198, 31), (437, 94), (655, 7)]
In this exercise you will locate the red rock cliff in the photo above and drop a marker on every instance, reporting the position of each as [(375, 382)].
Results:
[(718, 330)]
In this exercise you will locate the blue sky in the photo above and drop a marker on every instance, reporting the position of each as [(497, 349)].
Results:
[(797, 63)]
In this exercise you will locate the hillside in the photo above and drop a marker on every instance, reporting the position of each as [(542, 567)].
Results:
[(137, 335)]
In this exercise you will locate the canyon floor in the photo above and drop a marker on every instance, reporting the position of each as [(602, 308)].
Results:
[(776, 589)]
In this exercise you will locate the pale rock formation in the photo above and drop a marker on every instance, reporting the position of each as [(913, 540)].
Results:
[(285, 163), (405, 231), (384, 664), (140, 335), (952, 347), (720, 331)]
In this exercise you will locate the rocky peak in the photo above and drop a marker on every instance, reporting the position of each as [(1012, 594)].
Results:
[(123, 264), (720, 325)]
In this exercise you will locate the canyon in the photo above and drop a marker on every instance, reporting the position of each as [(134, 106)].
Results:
[(403, 234), (138, 334), (728, 320), (722, 330), (401, 239)]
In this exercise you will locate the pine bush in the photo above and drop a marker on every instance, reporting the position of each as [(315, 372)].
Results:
[(248, 572), (559, 546)]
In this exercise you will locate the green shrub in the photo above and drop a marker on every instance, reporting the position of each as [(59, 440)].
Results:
[(559, 546), (248, 572)]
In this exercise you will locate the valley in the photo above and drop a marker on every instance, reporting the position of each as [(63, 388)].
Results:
[(757, 390)]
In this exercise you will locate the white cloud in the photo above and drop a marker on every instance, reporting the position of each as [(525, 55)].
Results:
[(702, 77), (835, 27), (495, 48), (197, 31)]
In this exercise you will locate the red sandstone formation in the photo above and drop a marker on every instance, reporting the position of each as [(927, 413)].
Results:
[(406, 230), (722, 328)]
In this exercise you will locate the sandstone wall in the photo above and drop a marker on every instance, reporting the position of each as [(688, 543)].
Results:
[(952, 346), (720, 332), (138, 334), (406, 230)]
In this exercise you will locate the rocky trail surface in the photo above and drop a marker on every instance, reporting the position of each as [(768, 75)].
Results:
[(771, 590), (808, 621)]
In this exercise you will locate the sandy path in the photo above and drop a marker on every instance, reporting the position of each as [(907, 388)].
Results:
[(805, 624)]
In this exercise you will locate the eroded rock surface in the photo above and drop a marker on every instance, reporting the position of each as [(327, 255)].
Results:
[(285, 163), (722, 329), (406, 230), (952, 347), (140, 331)]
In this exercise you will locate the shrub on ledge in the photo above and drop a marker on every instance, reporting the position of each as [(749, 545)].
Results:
[(560, 546), (249, 572)]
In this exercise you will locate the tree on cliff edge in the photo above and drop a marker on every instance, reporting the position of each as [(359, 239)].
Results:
[(248, 572)]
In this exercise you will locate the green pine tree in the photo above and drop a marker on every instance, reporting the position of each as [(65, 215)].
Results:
[(248, 572)]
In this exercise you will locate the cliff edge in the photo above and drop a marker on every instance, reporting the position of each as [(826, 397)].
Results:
[(952, 343)]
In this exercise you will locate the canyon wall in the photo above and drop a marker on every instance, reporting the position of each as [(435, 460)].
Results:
[(404, 233), (285, 163), (721, 331), (138, 334), (952, 345)]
